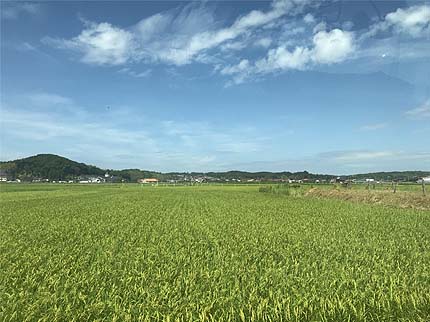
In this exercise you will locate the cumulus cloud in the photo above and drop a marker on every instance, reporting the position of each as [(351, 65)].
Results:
[(327, 48), (421, 112), (332, 47), (281, 58), (413, 21)]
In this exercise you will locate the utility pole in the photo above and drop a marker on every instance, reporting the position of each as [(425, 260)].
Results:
[(394, 186)]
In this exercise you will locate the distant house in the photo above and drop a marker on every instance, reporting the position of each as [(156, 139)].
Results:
[(97, 180), (4, 177), (425, 180), (91, 179), (148, 180)]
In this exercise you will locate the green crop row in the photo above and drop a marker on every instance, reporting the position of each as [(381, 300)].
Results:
[(127, 253)]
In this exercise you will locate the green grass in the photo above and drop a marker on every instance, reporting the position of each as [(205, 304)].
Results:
[(127, 253)]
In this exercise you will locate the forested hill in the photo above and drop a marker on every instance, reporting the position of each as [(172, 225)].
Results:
[(54, 167), (49, 166)]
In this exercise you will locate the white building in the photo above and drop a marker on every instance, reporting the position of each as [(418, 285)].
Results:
[(92, 180), (425, 179)]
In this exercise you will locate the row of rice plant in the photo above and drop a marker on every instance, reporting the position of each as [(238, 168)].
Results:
[(208, 254)]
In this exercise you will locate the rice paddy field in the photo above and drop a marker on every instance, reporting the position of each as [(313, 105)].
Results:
[(220, 253)]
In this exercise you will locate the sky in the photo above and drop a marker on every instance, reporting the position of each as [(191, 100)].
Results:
[(336, 87)]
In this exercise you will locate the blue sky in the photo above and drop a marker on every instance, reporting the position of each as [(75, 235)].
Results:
[(330, 87)]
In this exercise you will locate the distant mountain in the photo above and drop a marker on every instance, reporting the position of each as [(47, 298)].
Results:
[(54, 167)]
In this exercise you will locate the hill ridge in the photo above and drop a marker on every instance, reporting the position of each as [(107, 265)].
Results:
[(55, 167)]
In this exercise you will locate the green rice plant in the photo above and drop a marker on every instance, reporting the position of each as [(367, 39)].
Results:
[(283, 189), (208, 253)]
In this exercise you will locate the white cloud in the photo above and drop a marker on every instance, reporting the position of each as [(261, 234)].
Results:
[(373, 127), (182, 51), (401, 36), (413, 21), (332, 47), (191, 34), (281, 58), (421, 112), (173, 37), (100, 44), (327, 48)]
